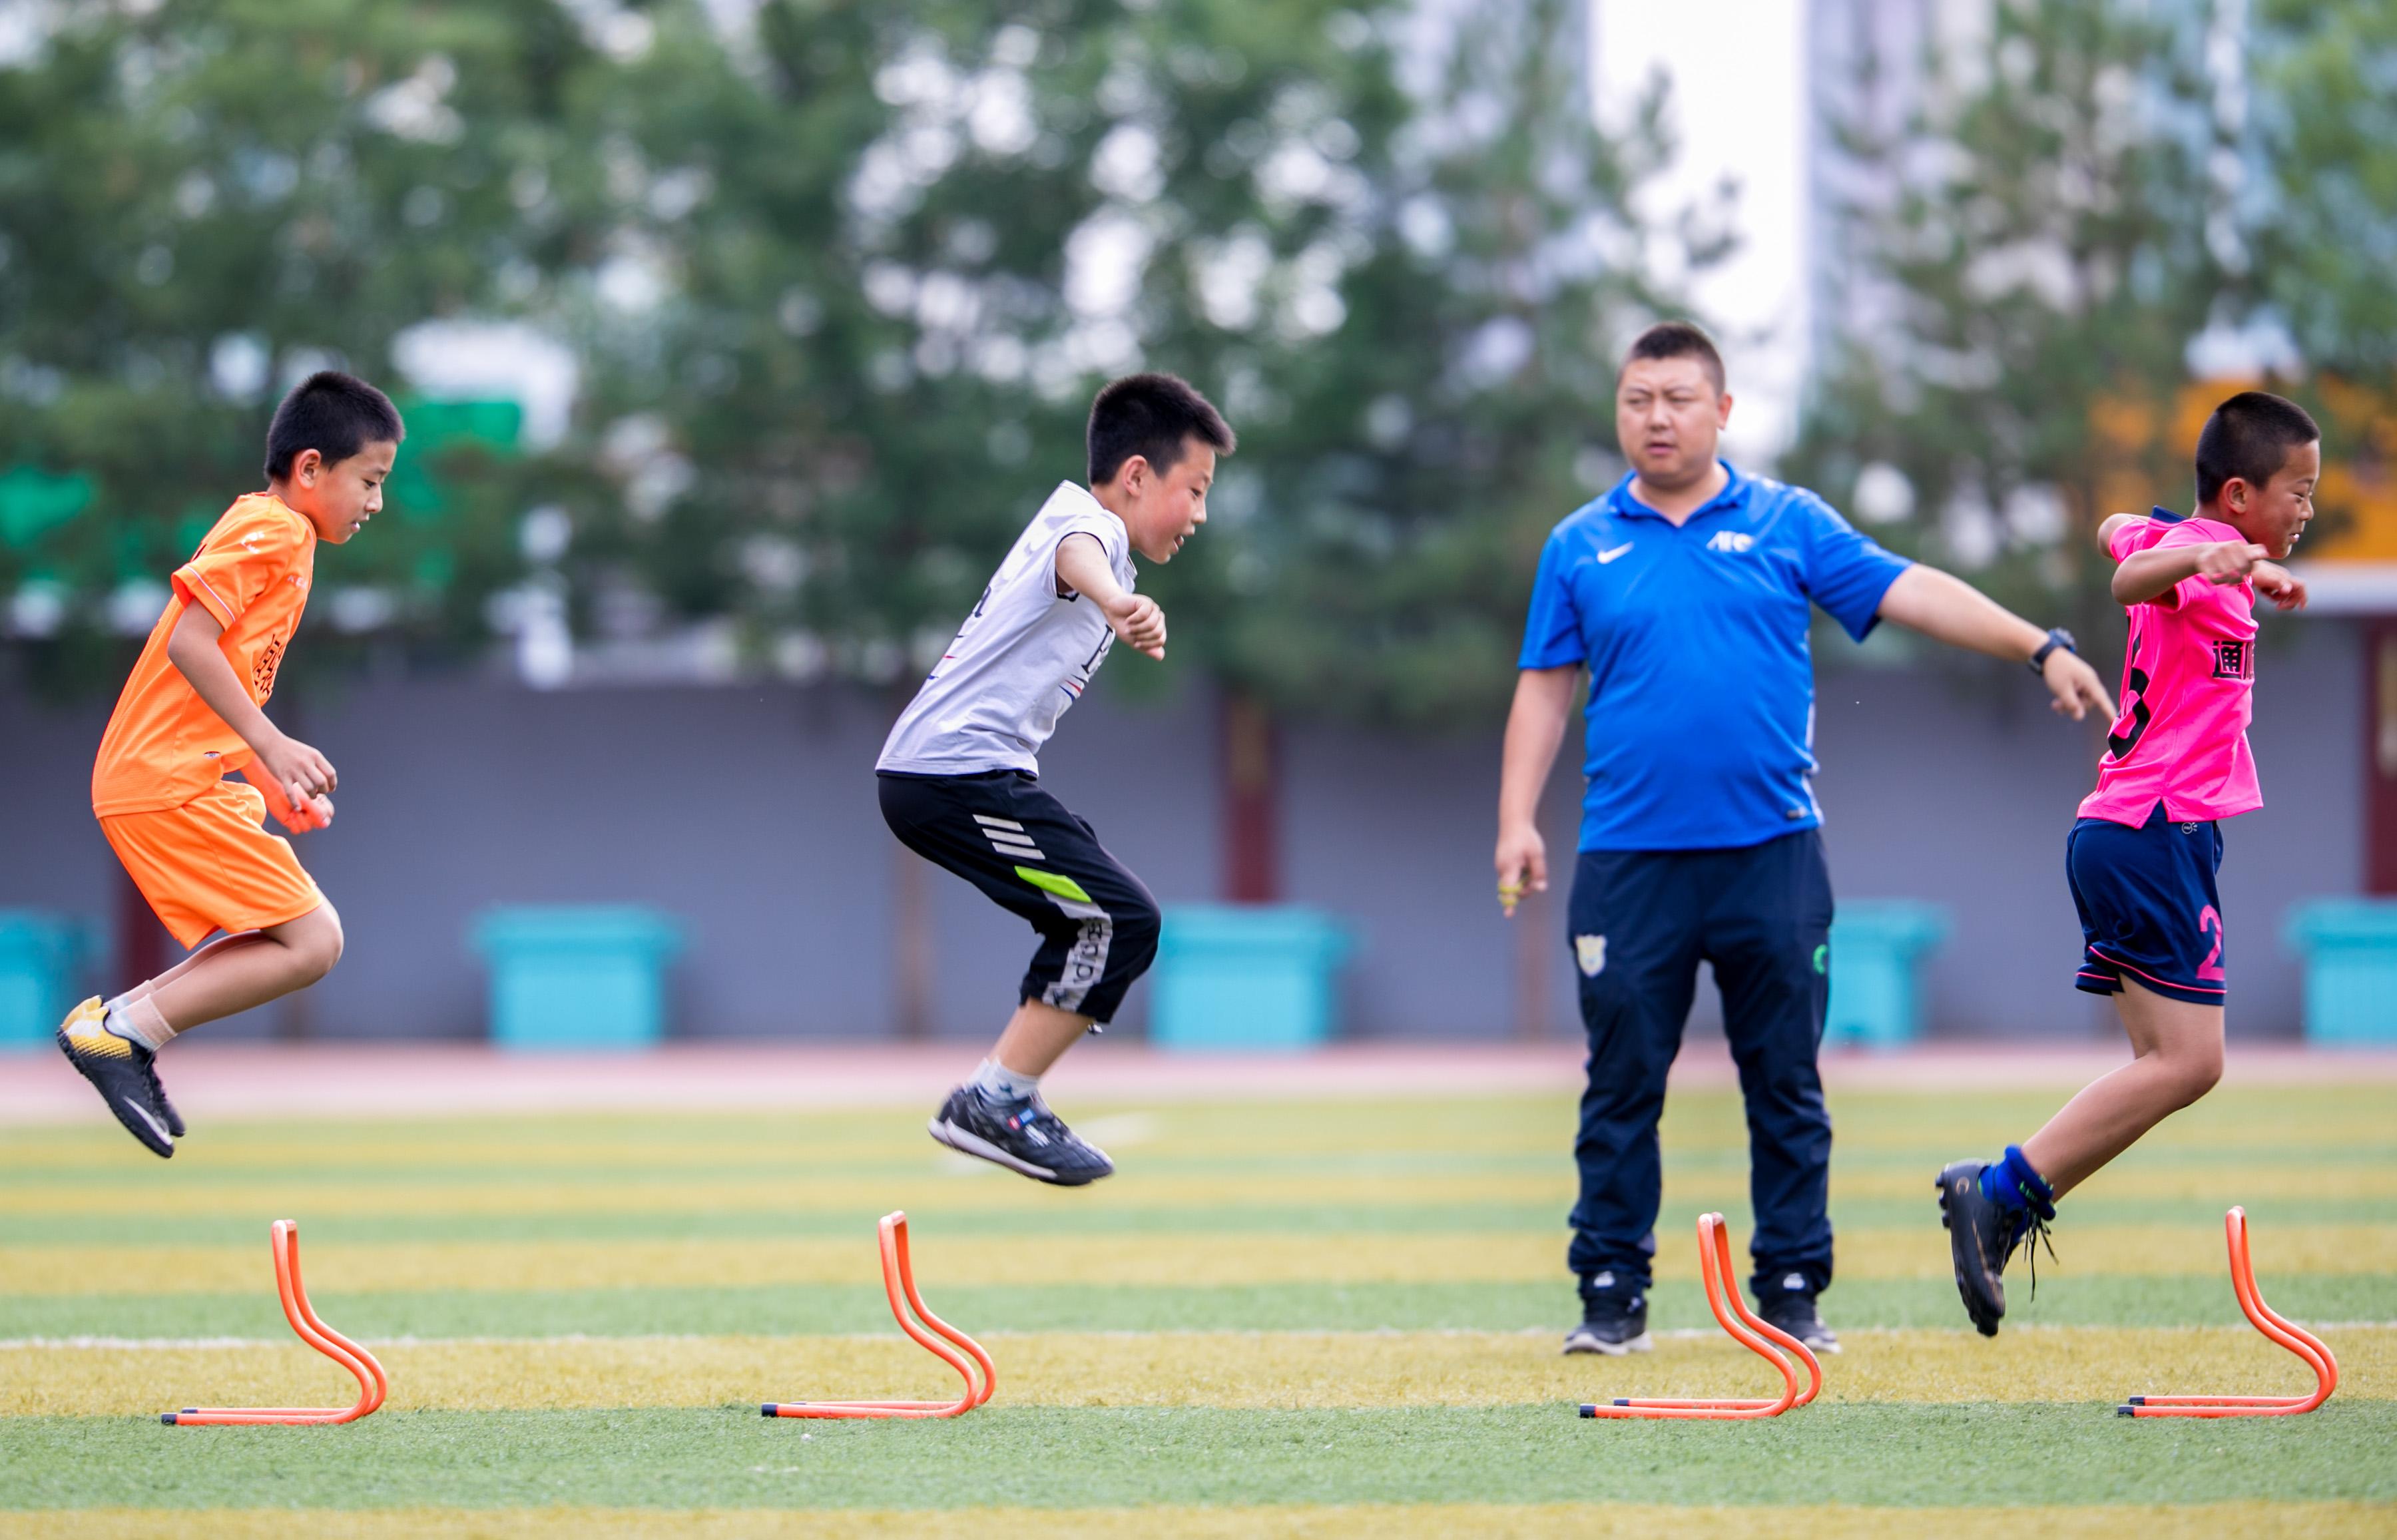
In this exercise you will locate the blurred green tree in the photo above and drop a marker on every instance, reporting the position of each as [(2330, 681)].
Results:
[(2328, 74), (870, 261), (200, 200), (2027, 261)]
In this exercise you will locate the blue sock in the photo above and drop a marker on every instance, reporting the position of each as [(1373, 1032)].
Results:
[(2010, 1183)]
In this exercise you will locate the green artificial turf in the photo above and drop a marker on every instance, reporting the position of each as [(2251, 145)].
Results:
[(623, 1178), (328, 1225), (1904, 1456), (800, 1309)]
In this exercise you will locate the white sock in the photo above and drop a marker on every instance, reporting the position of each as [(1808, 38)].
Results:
[(1004, 1083), (139, 1023)]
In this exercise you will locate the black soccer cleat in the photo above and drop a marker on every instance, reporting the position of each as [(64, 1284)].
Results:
[(119, 1069), (159, 1103), (1794, 1311), (1613, 1321), (1023, 1136), (1981, 1235)]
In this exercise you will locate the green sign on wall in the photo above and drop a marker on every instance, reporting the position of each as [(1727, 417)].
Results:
[(34, 502), (414, 490)]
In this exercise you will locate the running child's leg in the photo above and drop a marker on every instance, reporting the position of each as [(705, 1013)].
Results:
[(136, 1019), (115, 1044), (1036, 1037), (1098, 928), (2178, 1044), (237, 972), (1991, 1208), (2151, 920), (150, 987)]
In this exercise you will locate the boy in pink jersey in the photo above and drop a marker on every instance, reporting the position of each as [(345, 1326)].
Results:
[(2142, 857)]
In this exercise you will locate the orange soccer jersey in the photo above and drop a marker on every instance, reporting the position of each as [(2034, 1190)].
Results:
[(195, 849)]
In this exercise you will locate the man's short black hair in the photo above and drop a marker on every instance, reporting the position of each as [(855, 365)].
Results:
[(334, 414), (1151, 415), (1676, 340), (2249, 436)]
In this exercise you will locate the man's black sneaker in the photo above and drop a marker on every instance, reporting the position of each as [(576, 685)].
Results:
[(119, 1069), (1613, 1321), (1981, 1237), (1023, 1136), (1794, 1311)]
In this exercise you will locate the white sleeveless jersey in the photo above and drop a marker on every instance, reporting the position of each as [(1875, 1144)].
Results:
[(1021, 658)]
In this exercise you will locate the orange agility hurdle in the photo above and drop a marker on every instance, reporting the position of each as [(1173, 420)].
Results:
[(2288, 1334), (938, 1337), (283, 1235), (1760, 1337)]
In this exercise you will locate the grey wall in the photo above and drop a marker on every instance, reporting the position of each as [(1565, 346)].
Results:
[(749, 813)]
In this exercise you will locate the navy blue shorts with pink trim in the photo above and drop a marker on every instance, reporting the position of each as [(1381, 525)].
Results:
[(2148, 909)]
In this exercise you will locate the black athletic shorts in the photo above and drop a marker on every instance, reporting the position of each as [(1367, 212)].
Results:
[(2149, 906), (1018, 844)]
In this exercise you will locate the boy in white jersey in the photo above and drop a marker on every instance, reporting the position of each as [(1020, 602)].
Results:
[(959, 774)]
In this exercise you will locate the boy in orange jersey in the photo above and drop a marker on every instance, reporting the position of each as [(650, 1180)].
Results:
[(194, 843)]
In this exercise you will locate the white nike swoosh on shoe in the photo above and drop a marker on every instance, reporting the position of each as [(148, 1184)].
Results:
[(143, 1113)]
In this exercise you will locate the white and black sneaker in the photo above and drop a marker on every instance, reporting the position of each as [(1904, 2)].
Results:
[(1792, 1307), (1024, 1136), (119, 1069), (1613, 1321)]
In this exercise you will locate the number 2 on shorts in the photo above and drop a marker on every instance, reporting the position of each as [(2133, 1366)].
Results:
[(2210, 923)]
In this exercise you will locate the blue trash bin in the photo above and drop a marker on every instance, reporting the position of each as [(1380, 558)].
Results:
[(1876, 948), (577, 976), (42, 959), (1244, 978), (2349, 945)]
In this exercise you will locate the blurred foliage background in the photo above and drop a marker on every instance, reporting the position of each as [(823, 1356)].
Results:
[(2055, 265), (833, 283)]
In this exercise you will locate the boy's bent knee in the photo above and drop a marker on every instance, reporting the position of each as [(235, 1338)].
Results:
[(2199, 1072), (1136, 930), (315, 942)]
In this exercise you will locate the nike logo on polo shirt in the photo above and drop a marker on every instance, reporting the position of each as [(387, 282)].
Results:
[(1622, 550)]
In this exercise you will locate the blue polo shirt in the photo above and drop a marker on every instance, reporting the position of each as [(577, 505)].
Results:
[(1702, 685)]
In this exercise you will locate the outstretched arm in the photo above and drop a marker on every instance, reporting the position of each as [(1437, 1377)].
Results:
[(1949, 609), (1535, 727)]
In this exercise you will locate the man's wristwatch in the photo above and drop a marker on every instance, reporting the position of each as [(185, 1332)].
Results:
[(2055, 638)]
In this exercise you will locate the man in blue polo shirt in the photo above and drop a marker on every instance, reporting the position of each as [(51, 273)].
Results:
[(1685, 593)]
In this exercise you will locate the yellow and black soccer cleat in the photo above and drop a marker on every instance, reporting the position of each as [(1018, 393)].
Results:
[(120, 1070)]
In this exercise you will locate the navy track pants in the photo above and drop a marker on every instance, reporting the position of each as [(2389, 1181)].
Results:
[(1641, 922)]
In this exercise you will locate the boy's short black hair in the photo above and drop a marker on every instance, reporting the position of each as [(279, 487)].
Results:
[(1676, 340), (334, 414), (2249, 436), (1151, 415)]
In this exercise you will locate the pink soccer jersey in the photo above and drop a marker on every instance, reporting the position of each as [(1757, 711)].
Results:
[(2189, 690)]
